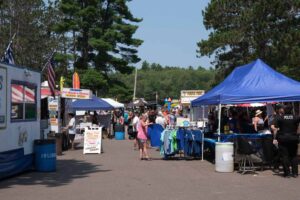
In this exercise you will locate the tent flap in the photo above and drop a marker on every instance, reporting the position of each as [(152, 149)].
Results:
[(252, 83)]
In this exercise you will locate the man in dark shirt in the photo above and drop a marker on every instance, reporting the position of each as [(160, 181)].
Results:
[(279, 112), (287, 139)]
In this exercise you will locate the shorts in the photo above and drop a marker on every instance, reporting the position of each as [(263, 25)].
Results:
[(72, 137), (141, 143)]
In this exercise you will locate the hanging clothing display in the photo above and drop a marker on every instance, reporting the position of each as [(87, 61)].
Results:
[(184, 140)]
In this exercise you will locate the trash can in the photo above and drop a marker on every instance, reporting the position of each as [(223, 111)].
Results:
[(45, 155), (224, 157), (120, 135), (58, 137)]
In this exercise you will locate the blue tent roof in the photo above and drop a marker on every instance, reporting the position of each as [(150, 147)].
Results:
[(254, 82), (94, 103)]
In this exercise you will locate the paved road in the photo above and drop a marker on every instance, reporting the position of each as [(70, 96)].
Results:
[(119, 174)]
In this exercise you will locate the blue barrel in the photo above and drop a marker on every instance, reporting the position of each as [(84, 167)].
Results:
[(119, 135), (45, 155)]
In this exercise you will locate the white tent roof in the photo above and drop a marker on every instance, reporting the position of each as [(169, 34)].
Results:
[(113, 103)]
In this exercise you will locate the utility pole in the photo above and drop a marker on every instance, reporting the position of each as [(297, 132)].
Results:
[(135, 79)]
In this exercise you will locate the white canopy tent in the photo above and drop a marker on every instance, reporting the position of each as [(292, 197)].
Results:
[(113, 103)]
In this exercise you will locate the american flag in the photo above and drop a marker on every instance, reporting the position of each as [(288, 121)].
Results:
[(51, 77), (9, 57)]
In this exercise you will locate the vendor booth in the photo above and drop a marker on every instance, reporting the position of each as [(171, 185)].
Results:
[(255, 82), (92, 133), (113, 103), (19, 117)]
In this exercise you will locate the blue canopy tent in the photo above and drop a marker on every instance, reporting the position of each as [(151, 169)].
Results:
[(250, 83), (94, 103), (254, 82)]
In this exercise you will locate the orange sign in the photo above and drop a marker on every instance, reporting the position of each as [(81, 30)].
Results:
[(76, 81)]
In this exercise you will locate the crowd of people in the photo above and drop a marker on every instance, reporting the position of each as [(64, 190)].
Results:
[(136, 123), (282, 124)]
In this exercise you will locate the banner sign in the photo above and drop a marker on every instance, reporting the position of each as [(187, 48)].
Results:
[(92, 140), (3, 97), (72, 93), (53, 108)]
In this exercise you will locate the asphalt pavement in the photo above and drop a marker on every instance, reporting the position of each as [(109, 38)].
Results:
[(119, 174)]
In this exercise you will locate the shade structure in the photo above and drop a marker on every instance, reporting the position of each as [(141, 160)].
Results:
[(138, 103), (251, 83), (45, 92), (94, 103), (113, 103)]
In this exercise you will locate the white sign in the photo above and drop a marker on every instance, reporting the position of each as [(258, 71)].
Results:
[(186, 96), (72, 93), (92, 140), (3, 97), (53, 107), (183, 122)]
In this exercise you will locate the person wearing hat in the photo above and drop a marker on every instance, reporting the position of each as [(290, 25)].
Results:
[(258, 122), (287, 139)]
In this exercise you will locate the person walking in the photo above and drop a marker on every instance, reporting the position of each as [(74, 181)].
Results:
[(142, 137), (71, 129), (287, 139), (135, 122)]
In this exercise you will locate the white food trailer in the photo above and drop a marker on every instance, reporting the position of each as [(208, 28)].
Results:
[(19, 117)]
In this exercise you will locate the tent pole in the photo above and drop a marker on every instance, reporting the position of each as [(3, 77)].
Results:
[(219, 122), (203, 126)]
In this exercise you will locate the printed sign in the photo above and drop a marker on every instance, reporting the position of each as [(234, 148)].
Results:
[(3, 97), (53, 108), (92, 140), (72, 93), (183, 122)]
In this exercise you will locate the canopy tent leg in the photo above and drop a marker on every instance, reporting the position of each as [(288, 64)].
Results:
[(202, 145), (219, 123)]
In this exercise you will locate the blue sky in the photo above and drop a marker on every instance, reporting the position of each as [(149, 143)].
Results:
[(171, 30)]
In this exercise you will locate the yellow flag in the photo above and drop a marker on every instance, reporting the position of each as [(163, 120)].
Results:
[(61, 82)]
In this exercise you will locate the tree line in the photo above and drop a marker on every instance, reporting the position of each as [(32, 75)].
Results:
[(94, 38), (163, 81), (242, 31)]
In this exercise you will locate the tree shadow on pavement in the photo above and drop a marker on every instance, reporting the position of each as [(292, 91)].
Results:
[(66, 172)]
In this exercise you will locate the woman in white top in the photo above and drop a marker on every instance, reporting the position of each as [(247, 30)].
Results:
[(71, 129), (258, 122)]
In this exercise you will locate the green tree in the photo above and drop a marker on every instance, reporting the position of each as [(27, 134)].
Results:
[(100, 34), (168, 81), (31, 21), (93, 80), (242, 31)]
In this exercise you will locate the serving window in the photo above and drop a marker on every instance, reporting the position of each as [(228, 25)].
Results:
[(23, 101)]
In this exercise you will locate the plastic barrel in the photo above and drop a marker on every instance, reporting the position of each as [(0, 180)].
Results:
[(224, 157), (119, 135), (45, 155)]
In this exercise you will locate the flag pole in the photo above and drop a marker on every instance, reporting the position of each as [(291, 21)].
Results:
[(48, 60), (9, 44), (135, 79)]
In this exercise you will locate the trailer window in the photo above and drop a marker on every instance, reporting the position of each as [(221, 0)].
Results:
[(23, 101)]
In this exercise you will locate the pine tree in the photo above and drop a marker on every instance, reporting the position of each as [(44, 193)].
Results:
[(100, 35), (242, 31), (31, 21)]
